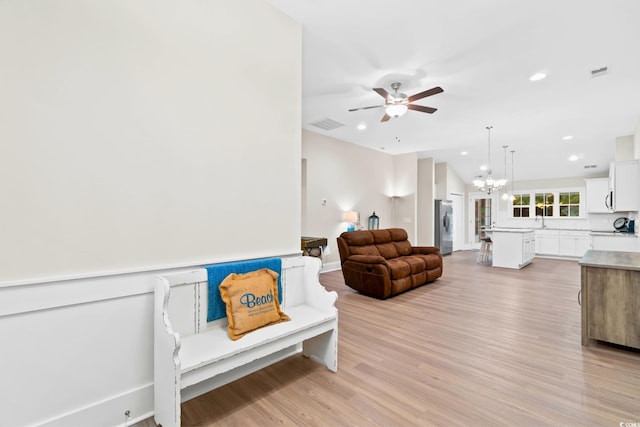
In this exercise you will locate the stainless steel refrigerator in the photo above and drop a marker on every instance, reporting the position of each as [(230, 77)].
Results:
[(443, 215)]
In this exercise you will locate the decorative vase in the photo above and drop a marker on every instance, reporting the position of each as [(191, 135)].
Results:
[(374, 222)]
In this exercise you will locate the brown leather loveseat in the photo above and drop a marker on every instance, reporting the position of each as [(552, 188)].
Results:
[(382, 263)]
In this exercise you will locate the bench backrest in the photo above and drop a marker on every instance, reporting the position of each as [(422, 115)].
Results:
[(188, 300)]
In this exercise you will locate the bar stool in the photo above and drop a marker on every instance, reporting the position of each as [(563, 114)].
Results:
[(486, 251)]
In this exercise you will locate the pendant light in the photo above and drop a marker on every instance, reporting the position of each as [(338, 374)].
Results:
[(513, 194), (505, 195), (489, 184)]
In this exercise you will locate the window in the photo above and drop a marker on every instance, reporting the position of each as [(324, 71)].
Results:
[(544, 204), (569, 204), (552, 203), (521, 205)]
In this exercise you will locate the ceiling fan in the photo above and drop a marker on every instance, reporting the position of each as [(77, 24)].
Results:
[(396, 103)]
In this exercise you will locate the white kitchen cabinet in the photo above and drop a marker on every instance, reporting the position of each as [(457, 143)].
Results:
[(574, 243), (528, 247), (562, 243), (597, 190), (623, 186), (583, 244), (547, 242), (615, 242), (512, 248)]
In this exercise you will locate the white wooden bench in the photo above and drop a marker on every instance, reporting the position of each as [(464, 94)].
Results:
[(193, 356)]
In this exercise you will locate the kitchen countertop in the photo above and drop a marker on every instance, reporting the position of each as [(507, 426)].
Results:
[(612, 259), (509, 230), (542, 229), (612, 233), (592, 232)]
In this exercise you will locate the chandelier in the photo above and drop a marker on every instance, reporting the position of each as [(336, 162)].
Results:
[(489, 184)]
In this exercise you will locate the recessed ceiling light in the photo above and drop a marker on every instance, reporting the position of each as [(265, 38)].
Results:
[(464, 153), (567, 137), (573, 158), (362, 126), (538, 76), (483, 168)]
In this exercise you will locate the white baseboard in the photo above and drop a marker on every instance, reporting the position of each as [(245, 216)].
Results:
[(330, 266), (110, 411)]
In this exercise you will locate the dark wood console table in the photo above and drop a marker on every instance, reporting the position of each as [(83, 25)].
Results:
[(312, 246), (610, 293)]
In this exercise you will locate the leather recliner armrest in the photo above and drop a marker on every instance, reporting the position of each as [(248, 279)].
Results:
[(425, 250)]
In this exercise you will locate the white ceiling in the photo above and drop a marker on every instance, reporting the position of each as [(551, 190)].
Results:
[(482, 53)]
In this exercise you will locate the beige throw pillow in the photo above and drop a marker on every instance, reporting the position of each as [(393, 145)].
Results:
[(251, 301)]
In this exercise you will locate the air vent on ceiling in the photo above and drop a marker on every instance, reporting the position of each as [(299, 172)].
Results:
[(590, 166), (599, 72), (327, 124)]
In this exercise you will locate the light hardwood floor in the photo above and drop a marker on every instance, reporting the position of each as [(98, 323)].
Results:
[(480, 346)]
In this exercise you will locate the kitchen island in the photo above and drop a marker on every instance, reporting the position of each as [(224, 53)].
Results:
[(610, 292), (512, 247)]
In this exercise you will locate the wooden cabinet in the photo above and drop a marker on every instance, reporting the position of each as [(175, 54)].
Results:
[(610, 293)]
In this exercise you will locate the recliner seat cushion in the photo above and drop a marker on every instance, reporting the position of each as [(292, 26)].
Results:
[(431, 260), (398, 268), (416, 264)]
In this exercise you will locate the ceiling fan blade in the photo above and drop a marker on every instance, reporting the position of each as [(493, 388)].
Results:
[(366, 108), (432, 91), (380, 91), (421, 108), (385, 118)]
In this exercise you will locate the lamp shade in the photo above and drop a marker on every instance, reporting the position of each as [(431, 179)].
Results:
[(351, 216)]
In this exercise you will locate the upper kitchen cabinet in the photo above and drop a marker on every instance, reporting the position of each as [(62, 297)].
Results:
[(624, 192), (598, 195), (618, 193)]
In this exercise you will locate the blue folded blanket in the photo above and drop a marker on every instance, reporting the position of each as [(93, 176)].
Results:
[(218, 272)]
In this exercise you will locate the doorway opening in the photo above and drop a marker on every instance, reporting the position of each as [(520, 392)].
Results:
[(481, 217)]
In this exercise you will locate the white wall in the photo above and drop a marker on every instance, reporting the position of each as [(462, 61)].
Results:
[(447, 181), (426, 195), (625, 149), (406, 193), (133, 135), (137, 134), (636, 142), (349, 177)]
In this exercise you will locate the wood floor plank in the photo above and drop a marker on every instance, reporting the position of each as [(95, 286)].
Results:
[(480, 346)]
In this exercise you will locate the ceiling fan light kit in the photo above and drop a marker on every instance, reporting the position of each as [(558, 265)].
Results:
[(395, 110), (397, 103)]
